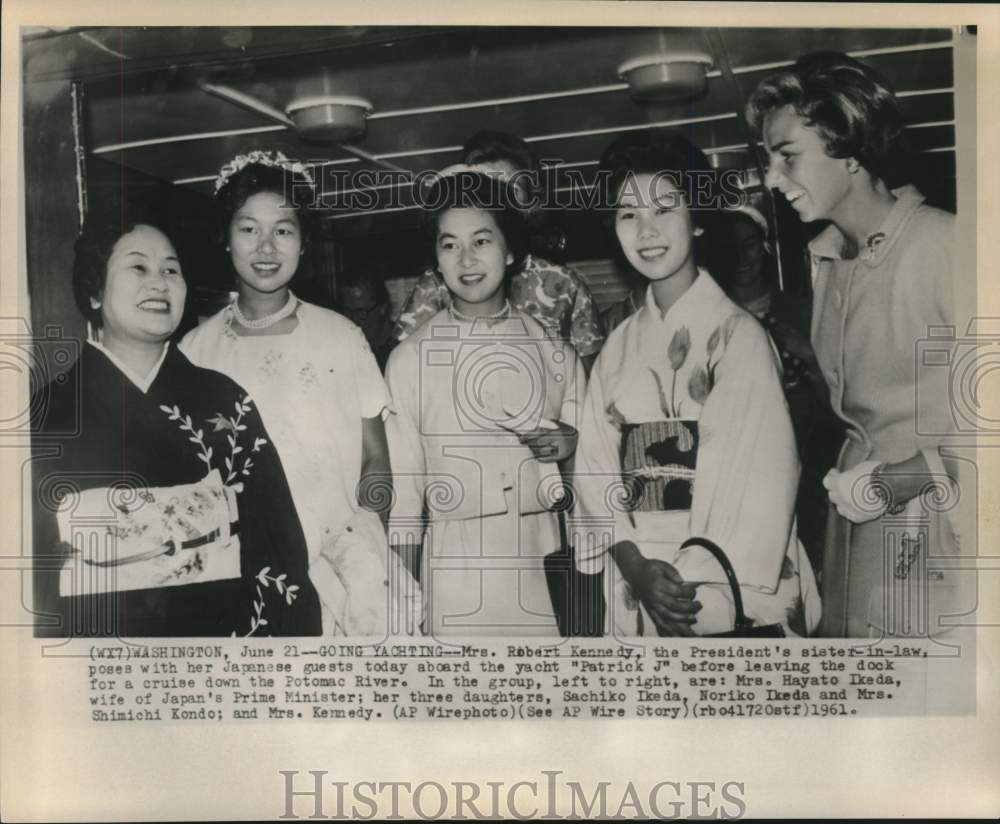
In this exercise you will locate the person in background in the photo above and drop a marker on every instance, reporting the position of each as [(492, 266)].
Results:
[(685, 409), (615, 313), (365, 300), (554, 295), (883, 273), (746, 269)]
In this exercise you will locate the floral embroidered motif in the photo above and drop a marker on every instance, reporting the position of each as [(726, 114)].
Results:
[(703, 378), (307, 375), (677, 352), (233, 426), (271, 364), (290, 591), (699, 385), (194, 564), (680, 345), (196, 436)]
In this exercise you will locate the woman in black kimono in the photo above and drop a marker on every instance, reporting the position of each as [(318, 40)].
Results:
[(160, 505)]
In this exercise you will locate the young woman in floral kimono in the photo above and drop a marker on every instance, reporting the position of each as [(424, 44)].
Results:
[(486, 407), (685, 431), (161, 507)]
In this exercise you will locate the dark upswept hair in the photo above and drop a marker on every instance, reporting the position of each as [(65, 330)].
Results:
[(486, 146), (255, 178), (469, 189), (104, 225), (660, 152), (851, 106)]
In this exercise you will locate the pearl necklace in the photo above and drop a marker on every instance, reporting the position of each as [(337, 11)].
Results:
[(267, 320), (500, 315)]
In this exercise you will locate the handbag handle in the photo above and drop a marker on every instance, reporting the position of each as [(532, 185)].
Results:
[(742, 622)]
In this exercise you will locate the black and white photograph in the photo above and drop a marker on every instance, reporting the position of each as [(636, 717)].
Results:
[(619, 370)]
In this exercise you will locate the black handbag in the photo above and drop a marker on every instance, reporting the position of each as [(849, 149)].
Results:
[(577, 598), (744, 627)]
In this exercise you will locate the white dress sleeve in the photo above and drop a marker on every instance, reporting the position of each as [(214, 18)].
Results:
[(571, 411), (373, 394), (402, 428)]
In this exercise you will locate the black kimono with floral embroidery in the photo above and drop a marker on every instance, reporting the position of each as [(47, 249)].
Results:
[(98, 430)]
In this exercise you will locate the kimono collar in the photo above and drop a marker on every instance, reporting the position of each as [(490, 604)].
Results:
[(700, 294), (141, 383), (830, 242)]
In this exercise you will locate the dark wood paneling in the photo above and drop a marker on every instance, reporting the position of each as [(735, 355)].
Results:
[(52, 217)]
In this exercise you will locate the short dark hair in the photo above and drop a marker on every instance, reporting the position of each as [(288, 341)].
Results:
[(486, 146), (106, 223), (658, 151), (255, 178), (851, 106), (488, 193)]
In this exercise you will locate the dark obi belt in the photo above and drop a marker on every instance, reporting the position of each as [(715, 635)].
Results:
[(658, 462)]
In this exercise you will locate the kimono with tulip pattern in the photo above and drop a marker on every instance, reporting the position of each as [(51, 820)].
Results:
[(685, 432)]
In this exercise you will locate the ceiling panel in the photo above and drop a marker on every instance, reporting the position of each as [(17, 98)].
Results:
[(142, 85), (750, 47)]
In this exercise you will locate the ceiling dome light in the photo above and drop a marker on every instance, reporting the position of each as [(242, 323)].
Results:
[(329, 118), (666, 77)]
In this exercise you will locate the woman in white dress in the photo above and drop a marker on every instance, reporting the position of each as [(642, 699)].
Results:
[(486, 408), (317, 386)]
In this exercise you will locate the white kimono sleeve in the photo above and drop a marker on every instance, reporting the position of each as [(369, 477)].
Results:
[(747, 471), (601, 519)]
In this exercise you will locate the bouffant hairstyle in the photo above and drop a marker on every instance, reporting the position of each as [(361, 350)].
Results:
[(475, 190), (254, 178), (103, 227), (850, 105)]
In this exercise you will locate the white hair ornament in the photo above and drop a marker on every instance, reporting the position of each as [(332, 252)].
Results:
[(264, 157)]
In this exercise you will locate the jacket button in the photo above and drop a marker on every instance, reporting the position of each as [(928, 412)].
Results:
[(838, 300), (834, 377)]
